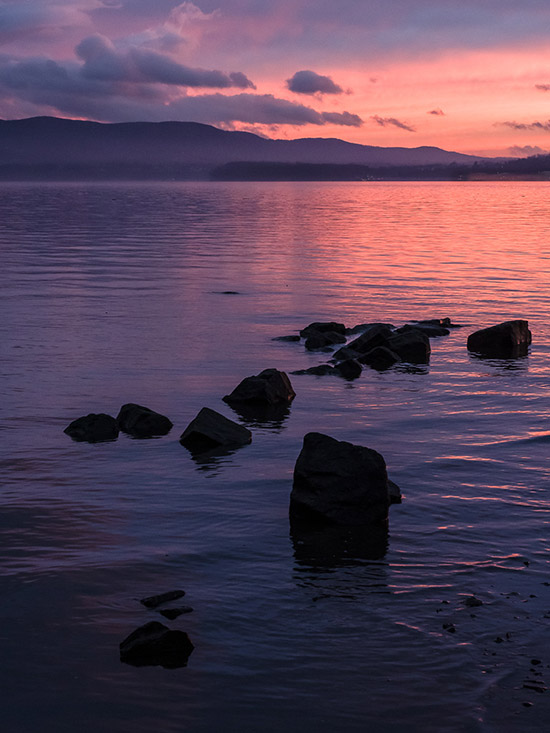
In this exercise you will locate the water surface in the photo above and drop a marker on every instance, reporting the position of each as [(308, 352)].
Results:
[(115, 293)]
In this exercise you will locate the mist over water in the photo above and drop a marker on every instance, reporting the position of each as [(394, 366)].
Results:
[(168, 295)]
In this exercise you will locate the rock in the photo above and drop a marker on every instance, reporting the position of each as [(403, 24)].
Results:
[(210, 430), (319, 340), (504, 341), (270, 386), (472, 602), (155, 644), (336, 482), (93, 428), (379, 358), (172, 613), (319, 370), (394, 492), (345, 353), (349, 369), (290, 338), (321, 327), (376, 335), (154, 601), (412, 346), (431, 330), (141, 422), (361, 327)]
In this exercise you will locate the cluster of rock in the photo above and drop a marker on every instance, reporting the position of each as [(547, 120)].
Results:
[(381, 345), (135, 420), (154, 644)]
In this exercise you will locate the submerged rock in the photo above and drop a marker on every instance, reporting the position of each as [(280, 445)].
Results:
[(141, 422), (270, 386), (318, 370), (156, 644), (172, 613), (210, 430), (432, 330), (504, 341), (292, 338), (93, 428), (154, 601), (336, 482)]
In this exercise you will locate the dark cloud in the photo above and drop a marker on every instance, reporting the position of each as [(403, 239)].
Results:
[(437, 112), (543, 87), (309, 82), (392, 121), (524, 151), (342, 118), (64, 90), (525, 125), (103, 62)]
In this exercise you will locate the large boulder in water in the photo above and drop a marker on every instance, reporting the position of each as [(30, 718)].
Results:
[(270, 387), (210, 430), (336, 482), (375, 335), (93, 428), (156, 644), (141, 422), (504, 341), (322, 339)]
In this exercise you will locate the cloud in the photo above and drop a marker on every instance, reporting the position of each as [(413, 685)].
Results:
[(107, 95), (523, 151), (309, 82), (525, 125), (543, 87), (392, 121), (342, 118), (103, 62), (437, 112), (27, 20)]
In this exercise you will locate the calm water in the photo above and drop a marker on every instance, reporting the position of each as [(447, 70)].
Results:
[(114, 294)]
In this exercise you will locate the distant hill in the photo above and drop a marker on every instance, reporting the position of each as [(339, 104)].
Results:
[(50, 147)]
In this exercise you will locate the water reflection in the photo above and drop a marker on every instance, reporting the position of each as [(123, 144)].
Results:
[(519, 363), (259, 415), (335, 546)]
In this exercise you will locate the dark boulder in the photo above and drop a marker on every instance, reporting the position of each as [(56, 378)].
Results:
[(93, 428), (345, 353), (322, 339), (173, 613), (394, 492), (210, 430), (349, 369), (362, 327), (376, 335), (411, 346), (379, 358), (270, 386), (504, 341), (156, 644), (336, 482), (141, 422), (321, 327)]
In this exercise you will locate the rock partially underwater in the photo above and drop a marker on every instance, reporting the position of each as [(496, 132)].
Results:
[(270, 387), (93, 428), (154, 644), (142, 422), (506, 340), (210, 431)]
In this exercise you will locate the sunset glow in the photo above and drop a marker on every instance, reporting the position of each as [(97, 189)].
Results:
[(471, 77)]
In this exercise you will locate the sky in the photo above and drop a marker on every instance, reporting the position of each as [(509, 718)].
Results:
[(470, 75)]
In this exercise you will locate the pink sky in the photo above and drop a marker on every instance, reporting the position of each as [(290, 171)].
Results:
[(471, 76)]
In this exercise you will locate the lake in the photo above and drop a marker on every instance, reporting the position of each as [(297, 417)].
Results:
[(168, 295)]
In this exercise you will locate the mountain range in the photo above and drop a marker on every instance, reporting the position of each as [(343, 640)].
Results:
[(51, 147)]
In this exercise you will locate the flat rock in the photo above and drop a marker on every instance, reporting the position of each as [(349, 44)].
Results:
[(269, 386), (172, 613), (336, 482), (154, 601), (506, 340), (142, 422), (318, 370), (292, 338), (156, 644), (93, 428), (210, 430)]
